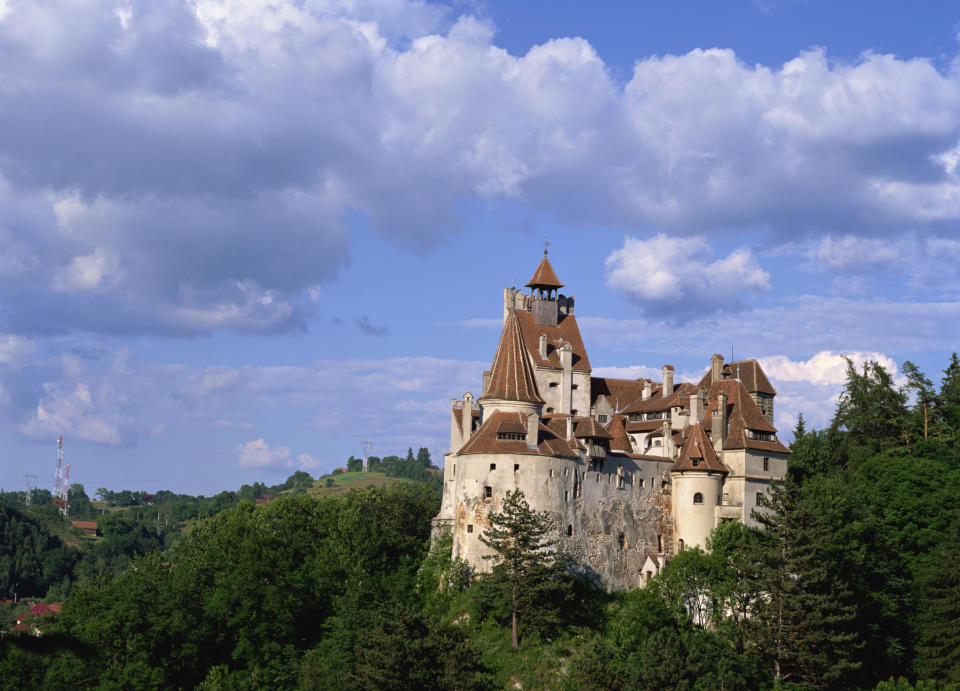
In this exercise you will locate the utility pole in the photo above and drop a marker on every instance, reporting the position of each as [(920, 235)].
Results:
[(366, 454), (31, 481)]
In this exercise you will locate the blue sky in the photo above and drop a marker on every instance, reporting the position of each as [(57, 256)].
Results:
[(237, 238)]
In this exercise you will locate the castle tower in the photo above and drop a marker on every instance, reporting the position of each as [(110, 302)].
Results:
[(512, 387), (543, 288), (697, 477)]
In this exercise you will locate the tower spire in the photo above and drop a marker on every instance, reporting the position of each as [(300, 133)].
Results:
[(511, 377)]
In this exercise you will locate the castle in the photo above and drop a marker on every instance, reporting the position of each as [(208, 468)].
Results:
[(631, 471)]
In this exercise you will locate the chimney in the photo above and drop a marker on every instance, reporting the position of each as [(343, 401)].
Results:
[(455, 428), (716, 367), (667, 379), (696, 411), (668, 438), (533, 429), (466, 417), (646, 389), (486, 381), (543, 346), (570, 428), (718, 422)]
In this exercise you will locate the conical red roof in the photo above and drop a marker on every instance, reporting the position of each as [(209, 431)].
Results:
[(544, 277), (698, 453), (511, 377)]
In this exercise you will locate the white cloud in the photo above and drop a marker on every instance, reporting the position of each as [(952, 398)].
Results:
[(215, 120), (851, 253), (678, 277), (825, 367), (259, 454)]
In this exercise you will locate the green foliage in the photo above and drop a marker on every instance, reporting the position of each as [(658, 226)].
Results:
[(939, 616), (872, 411), (528, 584), (31, 559), (806, 617)]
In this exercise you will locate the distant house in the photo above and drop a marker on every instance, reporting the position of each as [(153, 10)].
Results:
[(88, 527), (31, 621), (265, 498), (148, 498)]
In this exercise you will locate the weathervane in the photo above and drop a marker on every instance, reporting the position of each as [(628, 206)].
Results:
[(546, 244)]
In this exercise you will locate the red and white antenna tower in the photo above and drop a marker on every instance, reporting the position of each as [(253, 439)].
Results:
[(61, 482)]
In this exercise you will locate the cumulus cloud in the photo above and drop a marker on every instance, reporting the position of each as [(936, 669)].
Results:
[(825, 367), (677, 278), (259, 454), (215, 148)]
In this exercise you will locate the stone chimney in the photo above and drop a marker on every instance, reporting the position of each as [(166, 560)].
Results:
[(486, 381), (533, 430), (466, 417), (543, 346), (716, 367), (667, 379), (570, 428), (668, 445), (696, 411), (455, 432), (647, 387), (718, 423)]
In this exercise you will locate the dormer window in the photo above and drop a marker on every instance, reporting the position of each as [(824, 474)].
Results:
[(510, 436), (695, 462), (601, 418)]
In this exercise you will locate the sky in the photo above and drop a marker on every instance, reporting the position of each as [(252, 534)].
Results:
[(238, 238)]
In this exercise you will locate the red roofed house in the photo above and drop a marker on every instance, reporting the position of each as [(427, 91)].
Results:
[(632, 470), (30, 621), (88, 527)]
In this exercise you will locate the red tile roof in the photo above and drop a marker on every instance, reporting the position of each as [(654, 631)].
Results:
[(566, 331), (484, 440), (617, 429), (747, 371), (742, 415), (588, 428), (697, 452), (84, 525), (511, 377), (544, 277), (619, 392), (680, 396)]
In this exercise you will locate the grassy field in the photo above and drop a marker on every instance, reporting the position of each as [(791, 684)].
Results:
[(344, 482)]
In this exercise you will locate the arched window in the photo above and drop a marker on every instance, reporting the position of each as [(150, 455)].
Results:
[(698, 498), (680, 543)]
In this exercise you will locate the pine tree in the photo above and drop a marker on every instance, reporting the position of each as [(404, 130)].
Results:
[(948, 401), (423, 457), (872, 409), (526, 569), (939, 616), (804, 619), (918, 382)]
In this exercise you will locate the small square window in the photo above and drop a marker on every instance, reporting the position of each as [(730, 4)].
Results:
[(516, 467), (488, 492), (469, 527), (766, 463), (566, 495), (757, 495), (493, 466)]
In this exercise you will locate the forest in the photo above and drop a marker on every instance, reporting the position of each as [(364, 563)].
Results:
[(852, 582)]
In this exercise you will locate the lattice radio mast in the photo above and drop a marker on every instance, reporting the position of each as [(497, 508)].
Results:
[(61, 482), (31, 481), (366, 454)]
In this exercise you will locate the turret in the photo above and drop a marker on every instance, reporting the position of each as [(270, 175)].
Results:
[(697, 479), (543, 288)]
